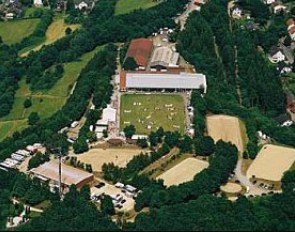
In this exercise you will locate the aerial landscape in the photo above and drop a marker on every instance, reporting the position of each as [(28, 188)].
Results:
[(147, 115)]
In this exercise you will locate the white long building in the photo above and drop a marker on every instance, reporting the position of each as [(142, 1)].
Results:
[(149, 81)]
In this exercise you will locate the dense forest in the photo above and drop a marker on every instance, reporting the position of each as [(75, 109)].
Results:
[(10, 73)]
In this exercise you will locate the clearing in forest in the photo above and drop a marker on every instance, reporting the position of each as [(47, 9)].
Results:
[(55, 31), (45, 103), (271, 163), (183, 172), (227, 128), (14, 31), (126, 6)]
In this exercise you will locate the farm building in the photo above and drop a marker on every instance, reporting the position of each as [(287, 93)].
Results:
[(140, 50), (49, 171), (108, 116), (150, 81), (164, 57)]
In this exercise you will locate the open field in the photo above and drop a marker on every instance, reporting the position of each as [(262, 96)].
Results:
[(97, 157), (55, 31), (227, 128), (271, 163), (147, 112), (45, 103), (7, 128), (14, 31), (183, 172), (126, 6), (231, 188)]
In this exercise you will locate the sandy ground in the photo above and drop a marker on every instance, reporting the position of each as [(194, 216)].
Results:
[(231, 188), (97, 157), (271, 162), (109, 189), (226, 128), (183, 172)]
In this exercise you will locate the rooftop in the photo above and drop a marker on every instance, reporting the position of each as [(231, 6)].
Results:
[(69, 175), (140, 50), (165, 81)]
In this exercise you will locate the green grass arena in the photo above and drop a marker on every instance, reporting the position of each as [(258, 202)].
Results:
[(147, 112)]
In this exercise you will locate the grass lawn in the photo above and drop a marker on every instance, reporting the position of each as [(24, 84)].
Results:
[(7, 128), (126, 6), (55, 31), (14, 31), (45, 103), (153, 110)]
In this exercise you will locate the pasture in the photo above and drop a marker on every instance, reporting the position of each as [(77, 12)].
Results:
[(147, 112), (55, 31), (45, 103), (271, 163), (126, 6), (14, 31), (227, 128), (183, 172)]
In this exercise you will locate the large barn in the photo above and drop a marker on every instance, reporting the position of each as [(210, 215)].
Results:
[(49, 171), (162, 81)]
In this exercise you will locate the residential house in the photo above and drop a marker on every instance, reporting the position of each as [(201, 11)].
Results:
[(268, 2), (84, 4), (276, 55), (38, 3), (251, 26), (237, 12), (278, 8), (284, 68), (290, 23)]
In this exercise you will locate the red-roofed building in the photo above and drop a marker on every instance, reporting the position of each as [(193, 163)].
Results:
[(290, 22), (140, 50)]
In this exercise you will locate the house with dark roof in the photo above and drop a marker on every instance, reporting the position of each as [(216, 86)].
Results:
[(276, 54), (140, 49)]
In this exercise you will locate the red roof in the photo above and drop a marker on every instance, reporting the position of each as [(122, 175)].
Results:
[(290, 22), (292, 109), (122, 81), (292, 30), (140, 50)]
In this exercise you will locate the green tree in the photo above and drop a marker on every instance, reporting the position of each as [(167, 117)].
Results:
[(68, 31), (80, 145), (204, 146), (142, 142), (27, 103), (107, 206), (33, 118), (130, 64), (129, 131)]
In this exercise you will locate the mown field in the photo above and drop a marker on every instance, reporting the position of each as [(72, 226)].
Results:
[(55, 31), (14, 31), (45, 103), (126, 6), (147, 112)]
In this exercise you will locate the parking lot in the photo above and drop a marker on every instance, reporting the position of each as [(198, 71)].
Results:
[(114, 192)]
